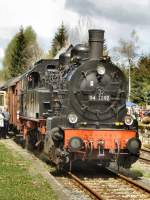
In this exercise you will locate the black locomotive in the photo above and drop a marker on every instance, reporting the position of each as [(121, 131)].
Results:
[(90, 95), (76, 106), (90, 87)]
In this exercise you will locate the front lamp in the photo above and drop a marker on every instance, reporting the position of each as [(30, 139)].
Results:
[(72, 117), (128, 120), (101, 70)]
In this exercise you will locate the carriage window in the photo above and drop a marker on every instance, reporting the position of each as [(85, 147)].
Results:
[(33, 80), (47, 105), (49, 67), (1, 100)]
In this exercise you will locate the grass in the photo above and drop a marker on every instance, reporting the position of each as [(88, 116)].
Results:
[(138, 171), (16, 183)]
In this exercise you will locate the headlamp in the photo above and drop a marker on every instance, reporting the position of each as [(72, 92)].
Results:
[(101, 70), (128, 120), (72, 118)]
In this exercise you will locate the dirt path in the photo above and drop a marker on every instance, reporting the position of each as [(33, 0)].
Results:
[(37, 167)]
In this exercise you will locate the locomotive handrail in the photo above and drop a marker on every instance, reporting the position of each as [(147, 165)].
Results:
[(31, 118)]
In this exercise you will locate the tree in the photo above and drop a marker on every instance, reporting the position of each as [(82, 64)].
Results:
[(141, 80), (127, 51), (105, 49), (79, 34), (60, 40), (21, 53), (8, 58), (32, 52), (18, 59)]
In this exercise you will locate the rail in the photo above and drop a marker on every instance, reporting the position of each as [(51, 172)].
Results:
[(106, 194), (94, 194), (145, 151), (129, 180), (144, 158)]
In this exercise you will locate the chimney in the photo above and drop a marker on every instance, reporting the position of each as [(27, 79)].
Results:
[(96, 41)]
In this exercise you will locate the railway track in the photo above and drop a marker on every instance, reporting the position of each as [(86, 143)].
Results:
[(144, 159), (111, 187), (145, 151), (145, 155)]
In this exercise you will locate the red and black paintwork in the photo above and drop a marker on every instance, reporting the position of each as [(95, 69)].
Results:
[(75, 107)]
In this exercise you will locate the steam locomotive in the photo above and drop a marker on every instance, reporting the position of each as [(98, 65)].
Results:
[(74, 108)]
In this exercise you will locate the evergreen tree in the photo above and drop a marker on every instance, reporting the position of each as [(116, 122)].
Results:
[(22, 51), (8, 58), (32, 52), (18, 60), (59, 41), (141, 80), (30, 35)]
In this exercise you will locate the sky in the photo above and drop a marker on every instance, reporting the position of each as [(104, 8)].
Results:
[(118, 18)]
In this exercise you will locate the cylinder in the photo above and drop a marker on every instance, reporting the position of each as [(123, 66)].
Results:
[(96, 41)]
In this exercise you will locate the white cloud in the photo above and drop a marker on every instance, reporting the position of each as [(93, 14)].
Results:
[(44, 16), (117, 17), (129, 11)]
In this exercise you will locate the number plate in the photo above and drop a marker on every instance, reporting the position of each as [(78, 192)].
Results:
[(99, 97)]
